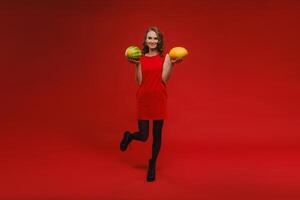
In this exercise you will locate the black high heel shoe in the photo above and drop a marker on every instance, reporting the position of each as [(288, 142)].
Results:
[(125, 141), (151, 171)]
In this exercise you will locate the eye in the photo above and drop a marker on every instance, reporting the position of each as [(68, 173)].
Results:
[(156, 38), (149, 38)]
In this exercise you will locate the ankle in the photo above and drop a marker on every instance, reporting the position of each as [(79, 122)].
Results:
[(152, 163), (151, 171)]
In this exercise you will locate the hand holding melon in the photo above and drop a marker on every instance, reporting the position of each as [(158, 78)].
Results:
[(177, 54), (133, 54)]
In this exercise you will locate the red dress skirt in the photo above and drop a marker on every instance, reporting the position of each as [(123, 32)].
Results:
[(151, 96)]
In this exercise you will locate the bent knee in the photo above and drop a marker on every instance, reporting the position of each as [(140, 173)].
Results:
[(144, 137)]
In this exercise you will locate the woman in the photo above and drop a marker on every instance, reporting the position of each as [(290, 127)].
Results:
[(152, 72)]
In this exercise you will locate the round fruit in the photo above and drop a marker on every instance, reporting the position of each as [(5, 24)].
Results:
[(133, 52), (178, 52)]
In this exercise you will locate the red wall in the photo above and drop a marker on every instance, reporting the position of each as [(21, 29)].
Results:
[(63, 69)]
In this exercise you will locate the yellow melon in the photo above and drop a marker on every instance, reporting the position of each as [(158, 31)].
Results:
[(178, 52)]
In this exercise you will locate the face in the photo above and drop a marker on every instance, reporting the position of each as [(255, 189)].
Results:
[(152, 40)]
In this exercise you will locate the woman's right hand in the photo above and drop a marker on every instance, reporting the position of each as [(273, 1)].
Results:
[(133, 61)]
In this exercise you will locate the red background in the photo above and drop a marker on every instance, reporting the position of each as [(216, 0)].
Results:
[(67, 95)]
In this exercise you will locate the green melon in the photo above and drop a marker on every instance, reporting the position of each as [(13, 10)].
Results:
[(133, 52)]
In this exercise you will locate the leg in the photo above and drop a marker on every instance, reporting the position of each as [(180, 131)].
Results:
[(141, 135), (157, 132)]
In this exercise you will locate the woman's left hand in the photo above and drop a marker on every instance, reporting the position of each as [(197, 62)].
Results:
[(176, 60)]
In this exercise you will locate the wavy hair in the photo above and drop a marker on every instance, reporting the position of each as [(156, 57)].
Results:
[(160, 44)]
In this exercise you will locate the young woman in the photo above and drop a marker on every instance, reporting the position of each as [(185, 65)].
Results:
[(153, 70)]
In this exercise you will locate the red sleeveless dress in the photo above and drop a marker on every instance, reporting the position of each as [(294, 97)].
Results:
[(151, 96)]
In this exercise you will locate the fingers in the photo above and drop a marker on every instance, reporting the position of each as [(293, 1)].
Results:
[(176, 60), (133, 61), (179, 60)]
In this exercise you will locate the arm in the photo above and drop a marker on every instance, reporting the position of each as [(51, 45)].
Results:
[(167, 69), (138, 73), (138, 70)]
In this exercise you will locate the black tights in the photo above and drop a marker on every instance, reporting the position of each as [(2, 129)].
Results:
[(143, 134)]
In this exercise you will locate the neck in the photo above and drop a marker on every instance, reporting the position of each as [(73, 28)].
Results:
[(152, 51)]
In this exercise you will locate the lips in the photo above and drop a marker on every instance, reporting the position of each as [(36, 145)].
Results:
[(152, 45)]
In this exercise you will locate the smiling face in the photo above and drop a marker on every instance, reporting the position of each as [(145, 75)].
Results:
[(152, 40)]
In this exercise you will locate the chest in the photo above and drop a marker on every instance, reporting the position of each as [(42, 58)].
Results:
[(152, 64)]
